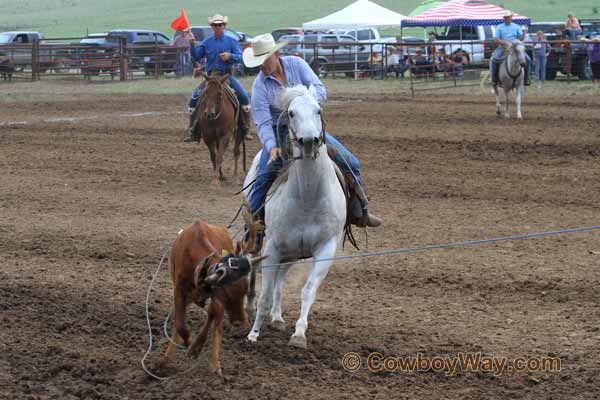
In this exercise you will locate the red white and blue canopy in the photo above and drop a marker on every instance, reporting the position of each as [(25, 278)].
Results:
[(463, 13)]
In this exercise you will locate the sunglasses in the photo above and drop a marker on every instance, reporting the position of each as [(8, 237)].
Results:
[(218, 24)]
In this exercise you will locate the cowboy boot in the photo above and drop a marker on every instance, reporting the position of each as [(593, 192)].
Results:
[(526, 80), (253, 245), (244, 122), (367, 219), (495, 73), (193, 134)]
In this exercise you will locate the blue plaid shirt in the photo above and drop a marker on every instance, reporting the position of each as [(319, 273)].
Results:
[(212, 47)]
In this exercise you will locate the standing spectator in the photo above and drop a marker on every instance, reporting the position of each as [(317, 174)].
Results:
[(540, 57), (593, 50), (182, 40), (572, 27), (431, 50)]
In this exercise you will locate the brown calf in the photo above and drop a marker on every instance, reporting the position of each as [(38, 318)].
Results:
[(194, 251)]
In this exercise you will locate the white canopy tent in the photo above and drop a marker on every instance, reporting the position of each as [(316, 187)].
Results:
[(361, 13)]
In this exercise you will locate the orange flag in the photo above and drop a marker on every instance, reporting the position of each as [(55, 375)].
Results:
[(180, 23)]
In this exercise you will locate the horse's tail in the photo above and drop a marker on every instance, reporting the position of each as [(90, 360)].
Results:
[(484, 77)]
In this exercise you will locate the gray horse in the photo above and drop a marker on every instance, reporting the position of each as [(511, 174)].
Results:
[(305, 214), (512, 75)]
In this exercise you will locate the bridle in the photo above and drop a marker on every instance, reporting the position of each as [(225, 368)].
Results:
[(205, 98), (298, 150), (511, 51)]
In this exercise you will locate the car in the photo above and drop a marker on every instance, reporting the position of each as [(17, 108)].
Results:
[(94, 55), (244, 37), (278, 33), (328, 52), (94, 39), (146, 48)]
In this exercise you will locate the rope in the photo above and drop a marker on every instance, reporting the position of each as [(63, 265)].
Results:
[(406, 250), (148, 320), (150, 336), (166, 333)]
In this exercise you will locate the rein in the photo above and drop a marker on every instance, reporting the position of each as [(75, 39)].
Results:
[(511, 76), (221, 104)]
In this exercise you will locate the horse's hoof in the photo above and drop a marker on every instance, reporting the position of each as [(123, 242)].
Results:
[(252, 337), (215, 370), (298, 341), (279, 325), (192, 352)]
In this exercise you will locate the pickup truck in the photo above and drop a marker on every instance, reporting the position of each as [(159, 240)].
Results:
[(334, 53), (475, 52), (17, 47)]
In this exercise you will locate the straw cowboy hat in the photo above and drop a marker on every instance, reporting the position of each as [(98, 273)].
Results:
[(218, 19), (263, 47)]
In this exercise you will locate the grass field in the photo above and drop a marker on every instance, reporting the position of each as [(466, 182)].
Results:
[(56, 18)]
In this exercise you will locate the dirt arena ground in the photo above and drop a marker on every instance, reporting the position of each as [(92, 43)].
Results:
[(94, 186)]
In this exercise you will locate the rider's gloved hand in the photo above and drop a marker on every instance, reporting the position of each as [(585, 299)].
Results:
[(274, 154)]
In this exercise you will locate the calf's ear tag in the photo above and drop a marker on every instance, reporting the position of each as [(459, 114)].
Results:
[(224, 253)]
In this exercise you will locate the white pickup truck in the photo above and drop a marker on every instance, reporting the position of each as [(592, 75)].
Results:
[(17, 47), (465, 36), (366, 35)]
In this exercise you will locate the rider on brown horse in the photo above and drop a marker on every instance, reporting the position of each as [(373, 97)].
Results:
[(221, 52)]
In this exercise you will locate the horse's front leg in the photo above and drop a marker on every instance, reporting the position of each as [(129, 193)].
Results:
[(266, 291), (212, 149), (277, 320), (222, 148), (506, 103), (518, 101), (317, 273), (497, 99)]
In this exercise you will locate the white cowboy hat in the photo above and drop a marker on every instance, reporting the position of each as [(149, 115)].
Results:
[(508, 13), (263, 47), (218, 19)]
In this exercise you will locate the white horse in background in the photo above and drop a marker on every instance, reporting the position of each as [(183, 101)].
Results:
[(512, 72), (304, 214)]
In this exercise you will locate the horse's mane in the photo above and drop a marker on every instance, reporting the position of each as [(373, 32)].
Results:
[(286, 95)]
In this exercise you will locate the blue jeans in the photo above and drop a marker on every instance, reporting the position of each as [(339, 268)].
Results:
[(235, 85), (498, 54), (573, 33), (268, 172), (540, 67)]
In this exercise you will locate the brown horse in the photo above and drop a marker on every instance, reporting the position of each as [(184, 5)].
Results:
[(217, 120)]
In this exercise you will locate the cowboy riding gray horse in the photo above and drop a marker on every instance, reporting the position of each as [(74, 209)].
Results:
[(510, 65), (306, 210)]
